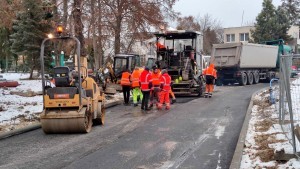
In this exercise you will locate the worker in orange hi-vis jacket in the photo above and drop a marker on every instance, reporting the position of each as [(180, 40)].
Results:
[(126, 85), (146, 85), (155, 90), (135, 84), (210, 76), (165, 80)]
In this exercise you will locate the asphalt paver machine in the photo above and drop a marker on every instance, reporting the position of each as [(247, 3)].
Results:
[(180, 52)]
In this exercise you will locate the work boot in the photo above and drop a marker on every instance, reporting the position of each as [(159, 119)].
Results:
[(206, 95), (173, 101), (151, 105)]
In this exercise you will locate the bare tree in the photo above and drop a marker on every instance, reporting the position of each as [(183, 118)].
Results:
[(134, 16), (210, 27), (188, 23), (65, 13), (212, 31), (78, 26), (8, 12)]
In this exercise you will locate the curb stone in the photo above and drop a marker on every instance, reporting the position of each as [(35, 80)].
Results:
[(238, 153), (38, 125)]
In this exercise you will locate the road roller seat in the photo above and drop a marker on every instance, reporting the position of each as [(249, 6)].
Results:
[(61, 76)]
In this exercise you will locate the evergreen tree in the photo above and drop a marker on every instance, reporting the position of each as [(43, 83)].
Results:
[(283, 24), (29, 29), (293, 8), (271, 23), (5, 54)]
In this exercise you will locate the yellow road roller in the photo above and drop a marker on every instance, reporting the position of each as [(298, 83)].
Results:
[(73, 101)]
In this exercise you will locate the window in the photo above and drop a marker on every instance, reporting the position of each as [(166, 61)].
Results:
[(244, 36), (230, 37)]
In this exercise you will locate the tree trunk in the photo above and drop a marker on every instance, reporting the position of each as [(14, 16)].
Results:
[(100, 47), (118, 34), (65, 13), (78, 26), (55, 11), (94, 36), (32, 69)]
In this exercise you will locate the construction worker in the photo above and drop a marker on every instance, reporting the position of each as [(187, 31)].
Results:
[(146, 85), (135, 84), (171, 92), (165, 80), (154, 94), (126, 85), (210, 76)]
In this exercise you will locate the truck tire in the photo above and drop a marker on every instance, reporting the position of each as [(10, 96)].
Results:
[(255, 78), (219, 82), (243, 79), (270, 77), (249, 78), (225, 82)]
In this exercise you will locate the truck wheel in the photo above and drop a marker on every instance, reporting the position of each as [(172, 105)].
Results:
[(225, 82), (255, 77), (219, 82), (243, 79), (250, 78)]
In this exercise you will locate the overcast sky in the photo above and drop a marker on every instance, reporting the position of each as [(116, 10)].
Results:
[(229, 12)]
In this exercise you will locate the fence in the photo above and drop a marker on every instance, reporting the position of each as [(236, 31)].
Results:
[(288, 96)]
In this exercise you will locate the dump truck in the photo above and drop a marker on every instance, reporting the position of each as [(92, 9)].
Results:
[(247, 63), (180, 52), (73, 101)]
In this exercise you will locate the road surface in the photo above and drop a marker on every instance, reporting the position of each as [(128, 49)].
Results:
[(196, 133)]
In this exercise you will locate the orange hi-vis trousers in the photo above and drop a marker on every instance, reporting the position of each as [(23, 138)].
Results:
[(164, 98), (209, 88)]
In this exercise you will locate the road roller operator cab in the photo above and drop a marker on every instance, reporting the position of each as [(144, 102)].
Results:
[(73, 102)]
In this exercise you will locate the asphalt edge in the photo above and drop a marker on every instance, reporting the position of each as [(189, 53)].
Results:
[(37, 125), (238, 153)]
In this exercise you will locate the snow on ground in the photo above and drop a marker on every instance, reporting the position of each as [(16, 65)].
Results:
[(265, 135), (16, 110), (21, 106)]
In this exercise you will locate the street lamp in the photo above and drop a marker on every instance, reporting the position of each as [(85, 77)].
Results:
[(50, 35)]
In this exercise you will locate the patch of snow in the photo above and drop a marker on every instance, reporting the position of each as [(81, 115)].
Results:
[(220, 131), (219, 162), (250, 158), (14, 106), (15, 76)]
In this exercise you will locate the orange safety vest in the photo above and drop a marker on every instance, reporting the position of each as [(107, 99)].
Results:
[(125, 79), (166, 81), (210, 71), (145, 79), (160, 46), (135, 77), (156, 79)]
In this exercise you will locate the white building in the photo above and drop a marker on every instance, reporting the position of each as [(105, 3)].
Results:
[(242, 34)]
